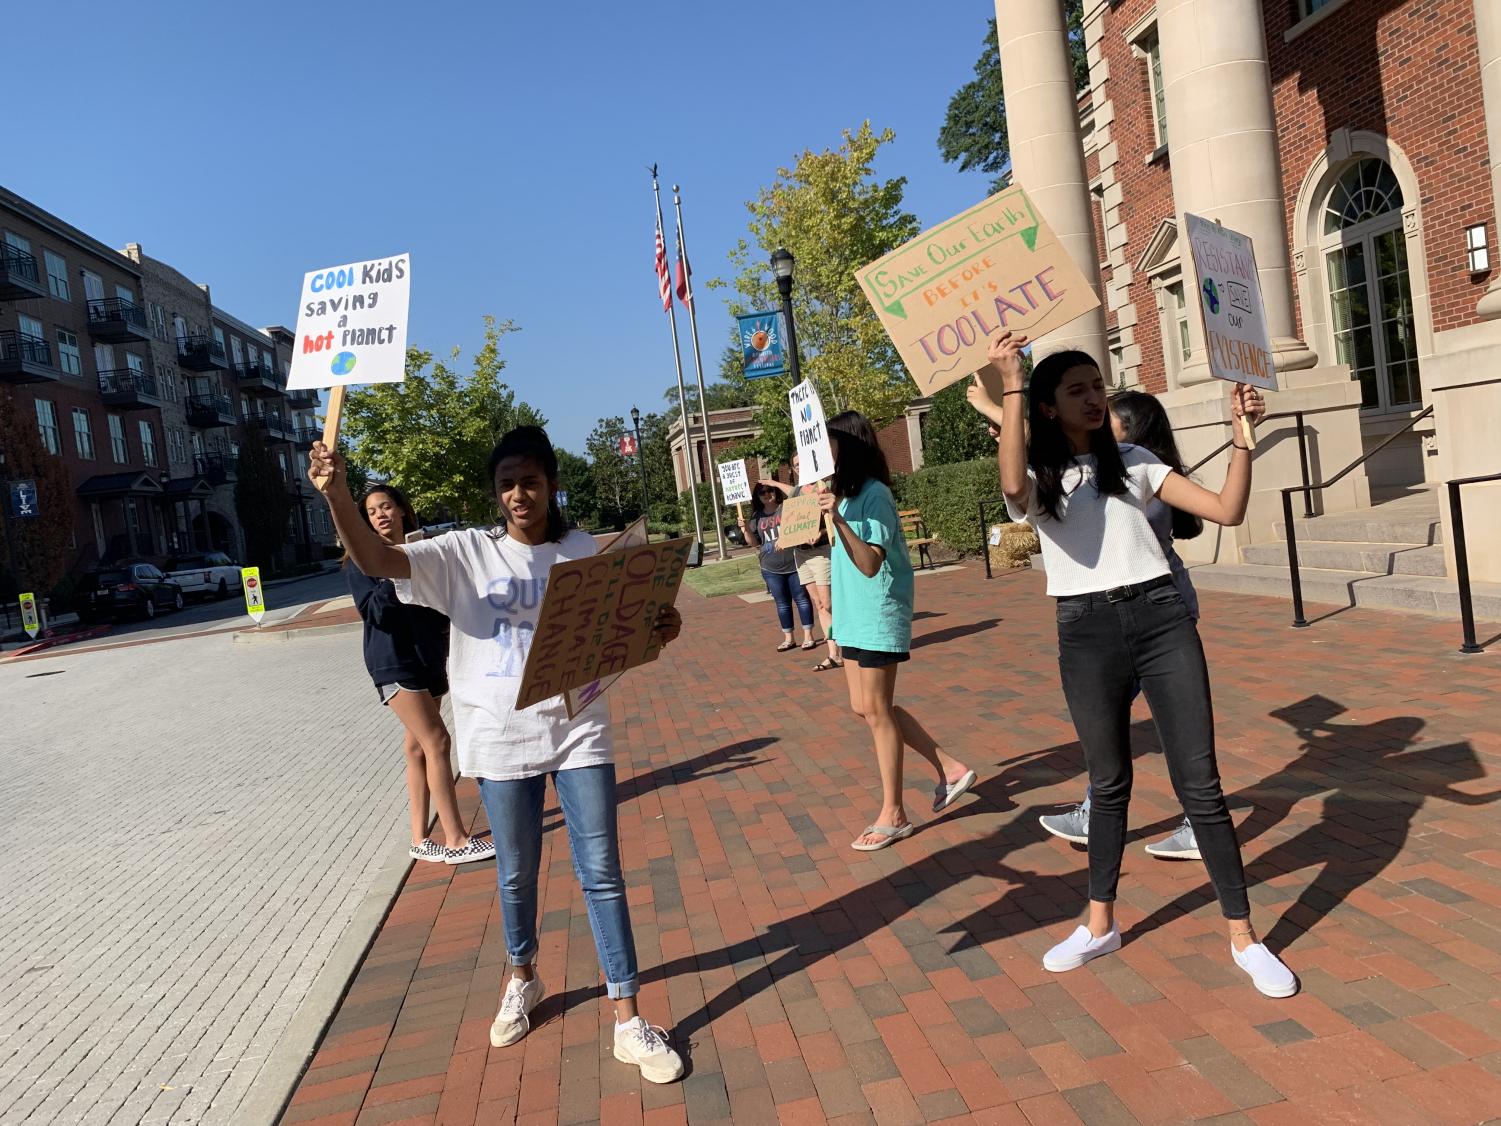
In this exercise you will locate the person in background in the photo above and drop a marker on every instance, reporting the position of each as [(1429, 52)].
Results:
[(406, 654), (778, 567), (813, 571)]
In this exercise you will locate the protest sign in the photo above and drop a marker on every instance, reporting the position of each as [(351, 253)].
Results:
[(946, 294), (762, 351), (734, 482), (597, 620), (634, 535), (802, 521), (815, 459)]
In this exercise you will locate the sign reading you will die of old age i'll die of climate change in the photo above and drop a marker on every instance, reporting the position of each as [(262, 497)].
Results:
[(945, 295), (352, 324)]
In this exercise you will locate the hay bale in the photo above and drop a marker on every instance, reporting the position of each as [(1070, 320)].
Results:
[(1012, 545)]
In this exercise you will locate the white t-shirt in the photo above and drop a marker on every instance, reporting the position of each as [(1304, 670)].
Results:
[(491, 588), (1098, 541)]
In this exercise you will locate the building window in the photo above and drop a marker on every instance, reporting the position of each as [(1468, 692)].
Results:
[(93, 288), (68, 356), (281, 460), (158, 321), (236, 352), (219, 340), (1309, 7), (1152, 48), (83, 434), (125, 293), (267, 363), (148, 443), (46, 421), (30, 326), (57, 275), (117, 448), (104, 358), (1177, 309)]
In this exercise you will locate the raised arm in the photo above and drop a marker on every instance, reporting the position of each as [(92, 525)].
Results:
[(781, 486), (1009, 414), (371, 554), (1228, 506)]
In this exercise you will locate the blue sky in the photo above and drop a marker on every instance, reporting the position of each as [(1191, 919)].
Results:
[(503, 145)]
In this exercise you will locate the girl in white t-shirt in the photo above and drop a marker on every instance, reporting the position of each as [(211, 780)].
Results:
[(490, 585), (1121, 620)]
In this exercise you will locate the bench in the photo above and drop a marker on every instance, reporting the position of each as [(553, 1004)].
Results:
[(916, 533)]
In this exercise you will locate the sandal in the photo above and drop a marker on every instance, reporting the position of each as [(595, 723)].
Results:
[(828, 663), (786, 646), (946, 794), (809, 646), (889, 835)]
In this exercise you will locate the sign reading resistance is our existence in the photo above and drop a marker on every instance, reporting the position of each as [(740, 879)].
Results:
[(1236, 339)]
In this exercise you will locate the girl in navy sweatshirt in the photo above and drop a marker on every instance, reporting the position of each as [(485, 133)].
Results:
[(406, 654)]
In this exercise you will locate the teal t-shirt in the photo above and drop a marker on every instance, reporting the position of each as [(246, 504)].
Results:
[(876, 612)]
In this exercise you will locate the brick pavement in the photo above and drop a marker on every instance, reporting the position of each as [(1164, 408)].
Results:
[(806, 982)]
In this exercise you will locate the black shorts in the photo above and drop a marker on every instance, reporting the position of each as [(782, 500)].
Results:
[(436, 688), (872, 658)]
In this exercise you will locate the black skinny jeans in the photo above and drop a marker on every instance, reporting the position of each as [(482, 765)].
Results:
[(1103, 647)]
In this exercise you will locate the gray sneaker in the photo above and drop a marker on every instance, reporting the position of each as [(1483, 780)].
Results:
[(1182, 845), (1071, 826)]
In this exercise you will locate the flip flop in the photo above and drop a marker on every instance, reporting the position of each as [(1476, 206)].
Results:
[(945, 795), (889, 835), (787, 647)]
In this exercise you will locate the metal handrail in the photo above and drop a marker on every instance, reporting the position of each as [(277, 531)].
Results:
[(103, 310), (13, 261), (120, 381), (1299, 621), (1462, 559), (15, 345)]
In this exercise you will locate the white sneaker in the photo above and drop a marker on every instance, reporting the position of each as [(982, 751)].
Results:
[(511, 1023), (641, 1044), (1079, 948), (1268, 974)]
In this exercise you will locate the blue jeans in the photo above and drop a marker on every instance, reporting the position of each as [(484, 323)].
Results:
[(786, 590), (587, 796)]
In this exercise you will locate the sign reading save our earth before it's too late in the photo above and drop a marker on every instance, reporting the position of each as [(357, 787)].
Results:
[(945, 295), (352, 324)]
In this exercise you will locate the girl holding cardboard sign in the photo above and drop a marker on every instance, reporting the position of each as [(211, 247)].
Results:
[(1121, 619), (813, 569), (872, 579), (778, 567), (490, 585)]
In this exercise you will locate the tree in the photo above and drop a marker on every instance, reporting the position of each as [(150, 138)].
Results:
[(974, 129), (834, 217), (576, 478), (617, 478), (721, 396), (432, 435), (35, 548), (262, 501), (954, 431)]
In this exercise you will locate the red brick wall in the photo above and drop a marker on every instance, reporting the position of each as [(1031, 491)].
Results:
[(1410, 71), (892, 439)]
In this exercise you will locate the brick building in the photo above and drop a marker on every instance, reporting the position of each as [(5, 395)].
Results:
[(129, 370)]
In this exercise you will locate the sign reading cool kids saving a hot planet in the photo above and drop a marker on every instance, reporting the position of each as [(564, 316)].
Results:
[(352, 324), (946, 294)]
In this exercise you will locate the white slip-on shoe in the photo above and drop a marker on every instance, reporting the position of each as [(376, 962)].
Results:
[(1079, 948), (1266, 970), (512, 1022), (478, 848), (645, 1046)]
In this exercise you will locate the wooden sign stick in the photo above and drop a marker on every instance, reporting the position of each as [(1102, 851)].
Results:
[(333, 417), (1248, 432)]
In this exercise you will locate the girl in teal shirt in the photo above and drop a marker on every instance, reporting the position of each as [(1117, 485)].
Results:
[(872, 586)]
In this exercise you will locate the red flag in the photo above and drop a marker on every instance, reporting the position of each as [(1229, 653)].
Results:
[(664, 283), (627, 445), (685, 271)]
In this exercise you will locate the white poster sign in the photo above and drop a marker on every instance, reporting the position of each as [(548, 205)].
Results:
[(734, 482), (1229, 293), (816, 460), (352, 324)]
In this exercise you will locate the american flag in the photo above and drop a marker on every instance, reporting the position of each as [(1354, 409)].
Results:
[(664, 279)]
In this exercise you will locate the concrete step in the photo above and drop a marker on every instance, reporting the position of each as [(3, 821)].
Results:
[(1374, 558), (1414, 593), (1369, 526)]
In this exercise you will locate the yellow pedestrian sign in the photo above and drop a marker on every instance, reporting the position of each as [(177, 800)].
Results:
[(29, 619), (255, 597)]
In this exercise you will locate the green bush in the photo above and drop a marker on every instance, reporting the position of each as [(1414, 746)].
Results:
[(706, 512), (665, 512), (949, 498)]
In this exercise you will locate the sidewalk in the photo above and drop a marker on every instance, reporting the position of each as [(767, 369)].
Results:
[(806, 982)]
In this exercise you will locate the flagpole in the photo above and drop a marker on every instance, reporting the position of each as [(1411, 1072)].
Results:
[(677, 358), (698, 365)]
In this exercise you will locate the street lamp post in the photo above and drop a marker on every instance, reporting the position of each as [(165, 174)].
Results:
[(781, 266), (641, 458)]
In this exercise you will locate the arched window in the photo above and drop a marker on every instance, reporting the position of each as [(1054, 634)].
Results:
[(1370, 294)]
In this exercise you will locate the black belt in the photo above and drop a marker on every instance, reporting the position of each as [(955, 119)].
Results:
[(1122, 593)]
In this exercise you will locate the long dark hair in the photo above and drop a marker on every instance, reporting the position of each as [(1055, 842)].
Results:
[(532, 442), (1144, 423), (409, 521), (757, 508), (1049, 455), (860, 458)]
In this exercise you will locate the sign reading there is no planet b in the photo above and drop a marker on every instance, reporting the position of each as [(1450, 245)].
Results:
[(352, 324)]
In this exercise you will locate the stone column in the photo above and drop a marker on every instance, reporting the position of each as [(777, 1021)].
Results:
[(1488, 40), (1047, 151), (1222, 144)]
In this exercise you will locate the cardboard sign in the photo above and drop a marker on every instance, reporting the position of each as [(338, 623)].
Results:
[(815, 458), (1235, 332), (597, 620), (802, 521), (734, 482), (634, 535), (762, 347), (944, 296), (30, 621), (255, 596), (352, 324)]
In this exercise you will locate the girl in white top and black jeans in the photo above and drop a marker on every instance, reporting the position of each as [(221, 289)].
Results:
[(1122, 620)]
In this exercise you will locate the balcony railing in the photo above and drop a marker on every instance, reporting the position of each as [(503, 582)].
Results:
[(20, 276), (256, 378), (305, 436), (128, 389), (217, 469), (201, 353), (25, 358), (115, 318), (303, 399), (207, 411), (272, 425)]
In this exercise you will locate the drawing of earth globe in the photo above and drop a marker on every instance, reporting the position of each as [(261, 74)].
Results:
[(343, 363)]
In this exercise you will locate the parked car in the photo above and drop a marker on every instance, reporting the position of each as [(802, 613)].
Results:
[(734, 535), (208, 574), (127, 590)]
